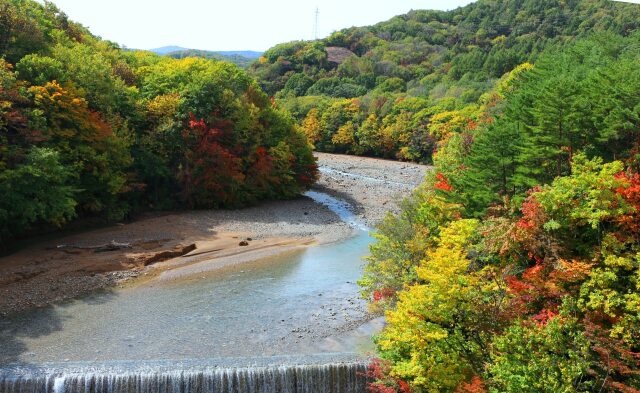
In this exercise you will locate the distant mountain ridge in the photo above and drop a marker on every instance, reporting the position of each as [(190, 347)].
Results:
[(167, 49), (245, 53), (250, 54)]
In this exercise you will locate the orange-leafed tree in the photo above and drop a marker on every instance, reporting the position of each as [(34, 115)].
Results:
[(87, 145)]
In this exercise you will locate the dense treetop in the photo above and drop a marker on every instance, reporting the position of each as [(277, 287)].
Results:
[(90, 130), (416, 77)]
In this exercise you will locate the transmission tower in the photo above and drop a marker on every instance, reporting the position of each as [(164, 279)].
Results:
[(315, 26)]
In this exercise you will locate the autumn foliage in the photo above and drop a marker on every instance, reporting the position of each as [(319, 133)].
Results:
[(476, 385), (88, 130), (381, 382), (218, 171), (515, 267)]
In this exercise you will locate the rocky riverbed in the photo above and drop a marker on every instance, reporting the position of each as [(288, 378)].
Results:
[(46, 273), (372, 186)]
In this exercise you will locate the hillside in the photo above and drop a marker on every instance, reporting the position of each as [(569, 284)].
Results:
[(515, 266), (392, 89), (90, 131)]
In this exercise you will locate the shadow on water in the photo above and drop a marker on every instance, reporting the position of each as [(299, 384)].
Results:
[(17, 330), (13, 333)]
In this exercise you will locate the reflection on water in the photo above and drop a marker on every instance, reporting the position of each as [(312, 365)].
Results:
[(303, 303)]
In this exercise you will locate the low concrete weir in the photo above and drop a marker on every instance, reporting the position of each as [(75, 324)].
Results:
[(320, 378)]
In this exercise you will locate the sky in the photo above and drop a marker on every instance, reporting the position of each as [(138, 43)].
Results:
[(231, 24)]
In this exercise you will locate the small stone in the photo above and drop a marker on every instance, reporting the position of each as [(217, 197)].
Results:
[(243, 243)]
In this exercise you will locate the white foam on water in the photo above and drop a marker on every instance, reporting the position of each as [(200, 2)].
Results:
[(334, 377), (58, 385)]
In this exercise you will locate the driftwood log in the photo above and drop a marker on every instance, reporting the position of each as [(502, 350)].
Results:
[(178, 251), (111, 246)]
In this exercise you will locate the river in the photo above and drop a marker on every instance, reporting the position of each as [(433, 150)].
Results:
[(255, 317)]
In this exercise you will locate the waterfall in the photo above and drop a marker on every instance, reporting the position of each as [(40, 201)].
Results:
[(327, 378)]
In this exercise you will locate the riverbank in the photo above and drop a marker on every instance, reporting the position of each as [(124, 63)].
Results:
[(46, 273)]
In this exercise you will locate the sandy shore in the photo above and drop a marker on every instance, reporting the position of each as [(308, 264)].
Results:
[(44, 273)]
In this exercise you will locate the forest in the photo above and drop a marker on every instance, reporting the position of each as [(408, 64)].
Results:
[(515, 267), (91, 131), (395, 89)]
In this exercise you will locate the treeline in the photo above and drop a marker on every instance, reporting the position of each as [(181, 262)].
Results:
[(89, 130), (515, 267), (394, 89)]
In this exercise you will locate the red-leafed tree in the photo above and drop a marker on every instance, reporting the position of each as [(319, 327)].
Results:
[(211, 174), (476, 385), (630, 223), (380, 381)]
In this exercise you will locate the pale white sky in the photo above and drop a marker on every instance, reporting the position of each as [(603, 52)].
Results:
[(230, 24)]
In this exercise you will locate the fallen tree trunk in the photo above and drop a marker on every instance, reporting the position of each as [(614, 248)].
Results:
[(111, 246)]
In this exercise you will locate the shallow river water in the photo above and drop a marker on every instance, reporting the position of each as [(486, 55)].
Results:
[(300, 304)]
